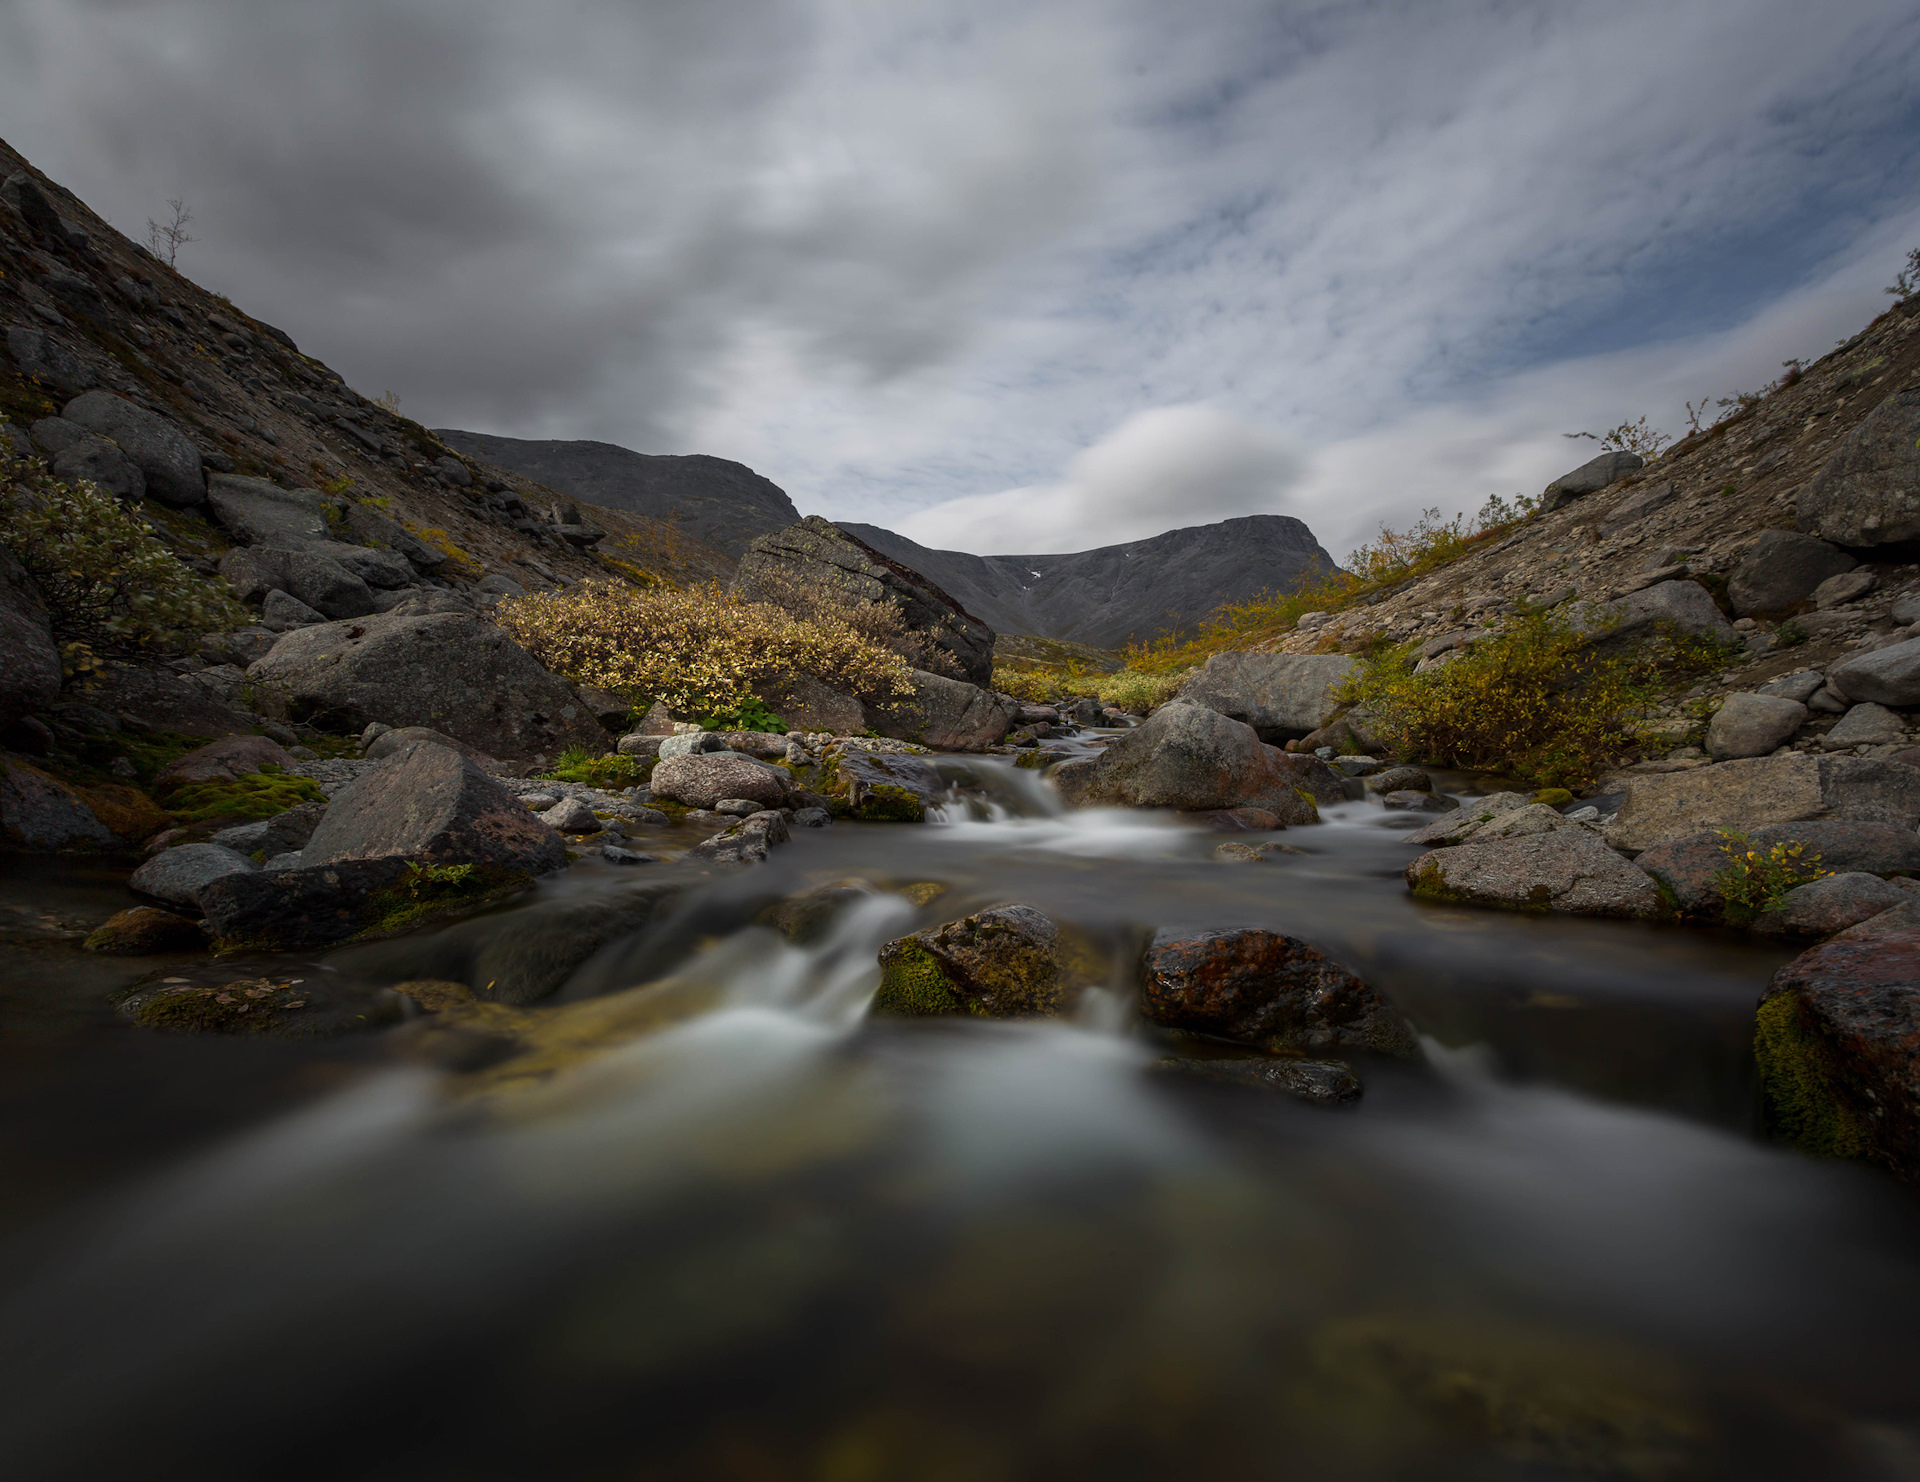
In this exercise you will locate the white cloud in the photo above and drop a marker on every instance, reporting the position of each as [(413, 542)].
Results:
[(1172, 466)]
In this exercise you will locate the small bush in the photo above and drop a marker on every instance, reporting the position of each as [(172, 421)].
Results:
[(748, 715), (1789, 635), (700, 651), (1531, 702), (1754, 881), (111, 586), (880, 623), (1136, 692), (1036, 686), (1630, 437)]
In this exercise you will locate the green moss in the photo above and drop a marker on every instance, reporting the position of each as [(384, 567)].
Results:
[(1553, 797), (610, 772), (1035, 761), (261, 794), (1800, 1084), (912, 984), (429, 891), (1430, 884), (885, 803), (251, 1006), (1313, 808)]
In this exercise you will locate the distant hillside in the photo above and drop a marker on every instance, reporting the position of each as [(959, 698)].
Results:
[(1107, 596), (722, 503)]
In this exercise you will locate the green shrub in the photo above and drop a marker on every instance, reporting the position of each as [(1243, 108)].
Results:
[(111, 586), (749, 715), (1136, 691), (1755, 881), (1789, 635), (1036, 686)]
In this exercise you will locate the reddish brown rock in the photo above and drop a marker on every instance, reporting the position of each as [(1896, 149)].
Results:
[(1260, 987)]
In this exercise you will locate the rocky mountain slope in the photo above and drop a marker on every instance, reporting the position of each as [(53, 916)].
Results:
[(719, 502), (1107, 596)]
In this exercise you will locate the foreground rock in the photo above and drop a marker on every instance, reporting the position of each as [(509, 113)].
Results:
[(1781, 571), (145, 931), (1282, 696), (298, 909), (745, 843), (176, 876), (702, 780), (41, 815), (1262, 988), (946, 714), (1190, 757), (878, 787), (1753, 725), (1690, 869), (1837, 1044), (447, 671), (165, 455), (1571, 871), (1865, 495), (1755, 793), (433, 805), (1008, 962)]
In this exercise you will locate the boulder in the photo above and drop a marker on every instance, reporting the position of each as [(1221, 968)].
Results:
[(810, 704), (432, 804), (284, 833), (1571, 871), (1802, 686), (307, 573), (1758, 791), (451, 672), (1412, 800), (1398, 779), (160, 700), (403, 738), (1837, 1046), (225, 760), (1670, 606), (1311, 776), (372, 528), (692, 743), (745, 842), (29, 658), (701, 781), (290, 910), (817, 557), (1689, 868), (165, 454), (41, 815), (176, 876), (282, 612), (1190, 757), (1831, 904), (1753, 725), (1263, 988), (571, 816), (1781, 571), (1472, 815), (146, 931), (101, 462), (1282, 696), (1886, 676), (1866, 725), (947, 714), (1868, 492), (639, 745), (1590, 477), (1007, 962), (380, 570), (38, 356), (1848, 586), (881, 787)]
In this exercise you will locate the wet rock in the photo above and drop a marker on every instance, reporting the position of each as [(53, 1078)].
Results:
[(178, 875), (433, 804), (1886, 676), (165, 454), (396, 739), (1399, 779), (747, 842), (1282, 696), (1190, 757), (548, 943), (571, 816), (1318, 1082), (1753, 725), (947, 714), (1264, 988), (1007, 962), (101, 462), (225, 760), (1475, 813), (1831, 904), (41, 815), (737, 807), (1252, 853), (881, 787), (1781, 571), (818, 556), (1590, 477), (29, 659), (1868, 493), (1569, 871), (1689, 868), (1802, 686), (145, 931), (812, 818), (286, 1008), (1837, 1045), (1866, 725), (290, 910), (616, 854), (1410, 800), (1761, 791), (700, 781), (804, 919), (451, 672)]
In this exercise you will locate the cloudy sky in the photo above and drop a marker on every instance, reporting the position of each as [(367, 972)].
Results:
[(1018, 275)]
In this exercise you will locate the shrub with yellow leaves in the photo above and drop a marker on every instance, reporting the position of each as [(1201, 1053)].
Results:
[(700, 651)]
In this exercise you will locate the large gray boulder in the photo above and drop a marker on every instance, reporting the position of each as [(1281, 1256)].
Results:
[(259, 512), (1887, 676), (41, 815), (1753, 725), (166, 455), (431, 803), (1683, 607), (372, 528), (816, 556), (809, 704), (702, 780), (29, 658), (448, 671), (1759, 791), (1189, 757), (38, 356), (384, 569), (1868, 493), (1831, 904), (1282, 696), (99, 461), (176, 876), (315, 578), (946, 714), (1690, 868), (1570, 871), (1781, 571), (1590, 477), (1866, 724)]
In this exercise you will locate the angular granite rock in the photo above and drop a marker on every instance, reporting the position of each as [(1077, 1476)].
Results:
[(1781, 571), (1868, 493), (165, 454), (1762, 791), (1590, 477), (1865, 724), (176, 876), (746, 842), (1569, 871), (1753, 725), (1689, 868), (1282, 696), (1885, 676), (946, 714), (1264, 988), (1191, 757), (1831, 904)]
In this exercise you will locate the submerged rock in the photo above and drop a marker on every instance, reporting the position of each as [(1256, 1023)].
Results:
[(286, 910), (1261, 987), (145, 931), (1318, 1082), (747, 842), (1568, 870), (1007, 962)]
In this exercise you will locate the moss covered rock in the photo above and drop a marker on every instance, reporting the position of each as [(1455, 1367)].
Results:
[(1007, 962), (146, 931)]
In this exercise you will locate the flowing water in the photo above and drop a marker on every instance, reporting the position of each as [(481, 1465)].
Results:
[(776, 1240)]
